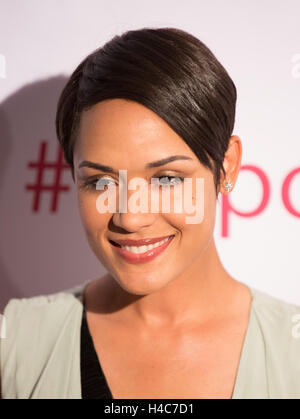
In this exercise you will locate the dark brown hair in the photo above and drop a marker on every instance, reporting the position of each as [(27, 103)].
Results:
[(170, 72)]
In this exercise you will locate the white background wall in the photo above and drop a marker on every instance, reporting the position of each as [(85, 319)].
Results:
[(41, 43)]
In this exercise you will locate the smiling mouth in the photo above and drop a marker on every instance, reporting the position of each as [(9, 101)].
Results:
[(143, 248)]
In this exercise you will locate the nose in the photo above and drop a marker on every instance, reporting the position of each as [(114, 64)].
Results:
[(131, 220)]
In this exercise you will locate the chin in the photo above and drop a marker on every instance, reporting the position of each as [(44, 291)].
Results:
[(140, 284)]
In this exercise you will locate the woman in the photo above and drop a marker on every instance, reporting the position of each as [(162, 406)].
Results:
[(167, 320)]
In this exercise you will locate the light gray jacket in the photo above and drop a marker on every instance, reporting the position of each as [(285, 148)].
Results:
[(40, 357)]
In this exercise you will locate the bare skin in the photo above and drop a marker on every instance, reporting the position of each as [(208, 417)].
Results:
[(192, 359), (173, 327)]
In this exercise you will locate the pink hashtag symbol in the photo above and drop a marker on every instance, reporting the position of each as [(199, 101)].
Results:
[(59, 165)]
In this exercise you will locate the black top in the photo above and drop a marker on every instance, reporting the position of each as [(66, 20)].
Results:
[(93, 382)]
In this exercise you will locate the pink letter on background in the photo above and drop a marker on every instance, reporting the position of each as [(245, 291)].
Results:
[(285, 192), (227, 207)]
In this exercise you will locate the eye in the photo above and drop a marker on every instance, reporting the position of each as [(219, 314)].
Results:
[(102, 182), (98, 184), (164, 180)]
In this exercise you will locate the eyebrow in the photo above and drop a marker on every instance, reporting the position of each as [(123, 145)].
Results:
[(109, 169)]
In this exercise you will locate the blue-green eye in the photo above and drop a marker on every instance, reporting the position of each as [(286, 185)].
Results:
[(97, 183), (102, 182), (164, 180)]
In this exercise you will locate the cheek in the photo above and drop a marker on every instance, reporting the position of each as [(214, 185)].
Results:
[(92, 220), (198, 234)]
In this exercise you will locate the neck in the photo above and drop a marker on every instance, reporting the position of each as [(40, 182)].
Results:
[(201, 293)]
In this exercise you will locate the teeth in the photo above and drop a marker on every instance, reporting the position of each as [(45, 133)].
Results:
[(143, 249)]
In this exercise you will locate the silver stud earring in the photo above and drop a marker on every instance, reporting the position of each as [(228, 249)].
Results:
[(228, 186)]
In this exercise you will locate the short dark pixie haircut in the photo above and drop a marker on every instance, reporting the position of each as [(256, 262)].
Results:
[(170, 72)]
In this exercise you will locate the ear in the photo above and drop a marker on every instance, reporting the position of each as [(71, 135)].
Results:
[(231, 163)]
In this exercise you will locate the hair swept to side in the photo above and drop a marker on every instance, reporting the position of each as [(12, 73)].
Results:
[(169, 71)]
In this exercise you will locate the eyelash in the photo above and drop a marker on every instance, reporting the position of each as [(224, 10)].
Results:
[(91, 184)]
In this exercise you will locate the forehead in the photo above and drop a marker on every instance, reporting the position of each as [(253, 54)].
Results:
[(124, 128)]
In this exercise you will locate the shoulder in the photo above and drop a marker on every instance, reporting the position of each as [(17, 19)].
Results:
[(274, 311), (278, 328), (278, 319), (29, 318), (35, 328), (45, 303)]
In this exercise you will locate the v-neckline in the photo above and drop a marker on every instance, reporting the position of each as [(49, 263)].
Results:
[(245, 343), (241, 364)]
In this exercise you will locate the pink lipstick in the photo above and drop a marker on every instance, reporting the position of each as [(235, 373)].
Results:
[(141, 251)]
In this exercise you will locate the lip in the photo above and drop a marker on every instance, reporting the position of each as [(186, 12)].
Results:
[(136, 258), (141, 242)]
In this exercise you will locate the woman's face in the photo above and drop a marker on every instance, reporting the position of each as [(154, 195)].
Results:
[(125, 135)]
